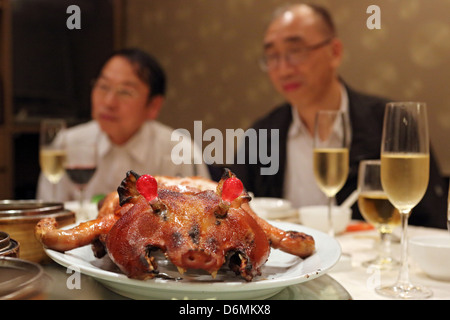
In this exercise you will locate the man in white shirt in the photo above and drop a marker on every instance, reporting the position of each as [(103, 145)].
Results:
[(126, 99)]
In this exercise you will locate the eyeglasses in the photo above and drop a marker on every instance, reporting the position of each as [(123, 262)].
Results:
[(122, 92), (293, 56)]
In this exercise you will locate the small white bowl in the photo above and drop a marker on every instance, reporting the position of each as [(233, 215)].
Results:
[(316, 217), (272, 208), (432, 254)]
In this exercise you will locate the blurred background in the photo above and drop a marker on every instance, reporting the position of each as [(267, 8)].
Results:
[(210, 51)]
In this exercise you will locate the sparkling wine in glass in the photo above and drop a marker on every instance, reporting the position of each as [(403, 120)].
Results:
[(52, 153), (377, 210), (405, 166), (330, 156), (80, 166)]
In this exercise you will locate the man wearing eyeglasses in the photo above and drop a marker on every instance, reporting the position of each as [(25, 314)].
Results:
[(301, 55), (126, 98)]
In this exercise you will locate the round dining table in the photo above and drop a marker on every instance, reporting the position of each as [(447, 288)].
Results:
[(348, 279)]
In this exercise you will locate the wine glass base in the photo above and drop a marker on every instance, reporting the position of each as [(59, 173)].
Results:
[(381, 263), (404, 291)]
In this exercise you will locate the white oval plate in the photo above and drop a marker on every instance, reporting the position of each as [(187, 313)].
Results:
[(280, 271)]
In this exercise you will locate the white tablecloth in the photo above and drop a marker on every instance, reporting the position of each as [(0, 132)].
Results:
[(360, 281)]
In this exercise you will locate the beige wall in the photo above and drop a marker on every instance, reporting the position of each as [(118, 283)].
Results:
[(210, 48)]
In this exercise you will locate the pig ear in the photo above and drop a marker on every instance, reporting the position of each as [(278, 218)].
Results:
[(147, 187), (232, 188), (127, 189)]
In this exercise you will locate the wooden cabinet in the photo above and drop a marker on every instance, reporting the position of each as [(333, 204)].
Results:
[(6, 160), (46, 70)]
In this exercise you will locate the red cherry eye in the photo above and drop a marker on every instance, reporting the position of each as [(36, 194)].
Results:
[(232, 188), (147, 186)]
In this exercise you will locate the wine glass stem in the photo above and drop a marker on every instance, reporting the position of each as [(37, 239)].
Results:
[(330, 217), (385, 251), (82, 214), (53, 191), (403, 277)]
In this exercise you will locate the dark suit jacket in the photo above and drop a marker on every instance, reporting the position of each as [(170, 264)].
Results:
[(366, 117)]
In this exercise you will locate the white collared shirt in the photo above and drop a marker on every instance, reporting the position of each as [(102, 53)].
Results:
[(147, 152), (300, 186)]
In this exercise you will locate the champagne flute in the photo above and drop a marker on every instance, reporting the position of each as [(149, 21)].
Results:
[(405, 166), (377, 210), (330, 156), (80, 166), (52, 154)]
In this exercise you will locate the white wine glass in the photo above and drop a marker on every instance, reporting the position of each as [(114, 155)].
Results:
[(52, 153), (330, 156), (405, 166), (377, 210), (80, 167)]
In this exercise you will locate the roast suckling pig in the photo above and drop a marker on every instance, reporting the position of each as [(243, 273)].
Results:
[(196, 223)]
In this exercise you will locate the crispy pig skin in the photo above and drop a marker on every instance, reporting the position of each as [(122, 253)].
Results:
[(188, 221)]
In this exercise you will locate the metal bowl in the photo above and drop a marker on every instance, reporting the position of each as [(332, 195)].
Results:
[(21, 208), (8, 247), (21, 279), (18, 218)]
